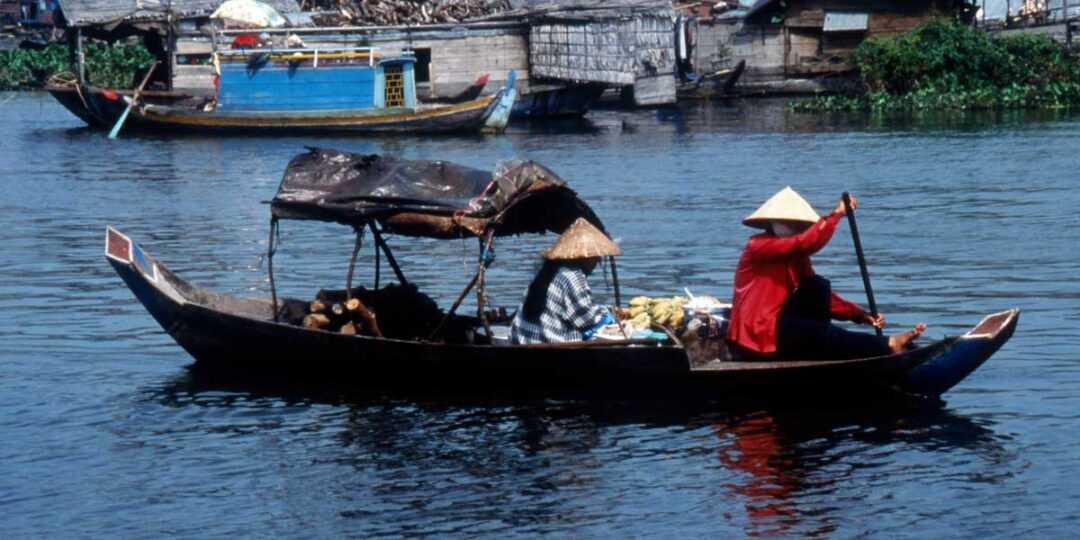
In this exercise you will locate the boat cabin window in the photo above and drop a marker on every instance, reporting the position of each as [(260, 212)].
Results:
[(394, 85)]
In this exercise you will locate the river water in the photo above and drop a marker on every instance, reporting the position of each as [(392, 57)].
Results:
[(104, 433)]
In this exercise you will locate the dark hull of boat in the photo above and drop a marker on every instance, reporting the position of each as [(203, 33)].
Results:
[(238, 336), (566, 102), (92, 107), (715, 86)]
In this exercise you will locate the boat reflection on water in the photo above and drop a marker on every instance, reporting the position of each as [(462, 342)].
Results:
[(787, 467), (788, 457), (754, 447)]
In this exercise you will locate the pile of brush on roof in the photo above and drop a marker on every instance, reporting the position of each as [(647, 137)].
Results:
[(402, 12)]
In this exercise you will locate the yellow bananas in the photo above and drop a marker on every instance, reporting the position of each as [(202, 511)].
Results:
[(645, 311)]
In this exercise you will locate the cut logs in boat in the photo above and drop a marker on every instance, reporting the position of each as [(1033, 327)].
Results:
[(349, 317)]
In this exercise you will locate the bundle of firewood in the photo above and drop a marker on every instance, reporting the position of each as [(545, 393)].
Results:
[(402, 12), (349, 317)]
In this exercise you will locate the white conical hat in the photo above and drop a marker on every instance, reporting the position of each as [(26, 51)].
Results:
[(786, 205), (581, 240)]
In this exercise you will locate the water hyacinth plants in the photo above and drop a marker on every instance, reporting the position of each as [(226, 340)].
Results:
[(943, 65), (107, 66)]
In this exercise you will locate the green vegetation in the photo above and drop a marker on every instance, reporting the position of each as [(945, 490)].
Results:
[(948, 65), (107, 66)]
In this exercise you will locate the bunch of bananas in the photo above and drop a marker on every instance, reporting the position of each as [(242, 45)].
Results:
[(644, 311)]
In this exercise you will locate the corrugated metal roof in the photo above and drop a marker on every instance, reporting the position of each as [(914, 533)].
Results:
[(845, 21), (95, 12)]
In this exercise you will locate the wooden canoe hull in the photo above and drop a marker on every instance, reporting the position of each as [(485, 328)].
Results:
[(239, 336), (463, 117), (482, 114), (714, 86), (569, 101)]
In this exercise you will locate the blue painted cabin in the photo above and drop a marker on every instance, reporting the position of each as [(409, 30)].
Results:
[(299, 80)]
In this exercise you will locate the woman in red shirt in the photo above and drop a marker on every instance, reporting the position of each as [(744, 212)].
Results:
[(782, 309)]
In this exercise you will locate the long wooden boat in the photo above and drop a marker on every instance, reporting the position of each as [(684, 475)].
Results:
[(563, 100), (718, 85), (358, 90), (262, 336)]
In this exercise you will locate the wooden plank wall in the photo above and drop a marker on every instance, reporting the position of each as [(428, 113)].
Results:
[(799, 47), (197, 80), (457, 61), (810, 51), (762, 46)]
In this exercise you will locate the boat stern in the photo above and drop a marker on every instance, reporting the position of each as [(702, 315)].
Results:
[(144, 277), (497, 116)]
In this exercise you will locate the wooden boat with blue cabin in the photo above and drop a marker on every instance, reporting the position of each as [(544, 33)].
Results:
[(295, 90), (423, 348)]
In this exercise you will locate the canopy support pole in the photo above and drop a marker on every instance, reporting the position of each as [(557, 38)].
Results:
[(481, 300), (378, 261), (615, 280), (457, 303), (270, 248), (389, 256), (352, 262)]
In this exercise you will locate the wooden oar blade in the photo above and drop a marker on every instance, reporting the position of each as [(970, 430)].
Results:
[(119, 123)]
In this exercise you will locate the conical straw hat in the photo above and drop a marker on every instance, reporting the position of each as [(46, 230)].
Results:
[(581, 240), (786, 205)]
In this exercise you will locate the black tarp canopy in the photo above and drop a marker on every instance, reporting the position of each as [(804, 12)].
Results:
[(436, 199)]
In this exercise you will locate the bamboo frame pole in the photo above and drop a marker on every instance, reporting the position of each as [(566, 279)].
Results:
[(270, 248), (352, 261), (389, 256)]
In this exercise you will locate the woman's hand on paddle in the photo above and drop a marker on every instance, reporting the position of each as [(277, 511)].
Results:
[(841, 209), (877, 321)]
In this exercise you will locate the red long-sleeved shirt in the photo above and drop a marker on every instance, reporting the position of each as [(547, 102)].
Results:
[(769, 270)]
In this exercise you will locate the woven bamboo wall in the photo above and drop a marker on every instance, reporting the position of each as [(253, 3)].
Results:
[(615, 51)]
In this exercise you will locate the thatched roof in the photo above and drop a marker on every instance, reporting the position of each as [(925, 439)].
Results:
[(105, 12)]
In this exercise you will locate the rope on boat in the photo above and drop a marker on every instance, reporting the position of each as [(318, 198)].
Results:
[(70, 80)]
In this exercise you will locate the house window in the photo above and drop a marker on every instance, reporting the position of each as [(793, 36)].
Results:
[(423, 65), (843, 32)]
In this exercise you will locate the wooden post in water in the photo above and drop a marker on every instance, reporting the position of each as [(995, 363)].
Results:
[(79, 57), (1068, 25)]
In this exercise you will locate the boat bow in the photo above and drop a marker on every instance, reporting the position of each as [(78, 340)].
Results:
[(962, 356)]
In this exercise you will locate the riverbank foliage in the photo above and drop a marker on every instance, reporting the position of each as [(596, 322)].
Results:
[(107, 66), (949, 65)]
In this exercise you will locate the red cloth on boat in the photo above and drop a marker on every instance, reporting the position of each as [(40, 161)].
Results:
[(245, 41), (768, 272)]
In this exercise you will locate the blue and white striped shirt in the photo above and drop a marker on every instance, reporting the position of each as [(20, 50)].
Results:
[(568, 312)]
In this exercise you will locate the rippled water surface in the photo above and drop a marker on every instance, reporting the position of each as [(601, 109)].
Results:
[(105, 433)]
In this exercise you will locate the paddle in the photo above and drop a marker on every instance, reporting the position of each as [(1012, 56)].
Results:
[(134, 99), (862, 258)]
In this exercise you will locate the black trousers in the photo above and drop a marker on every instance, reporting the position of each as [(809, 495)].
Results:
[(804, 330)]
